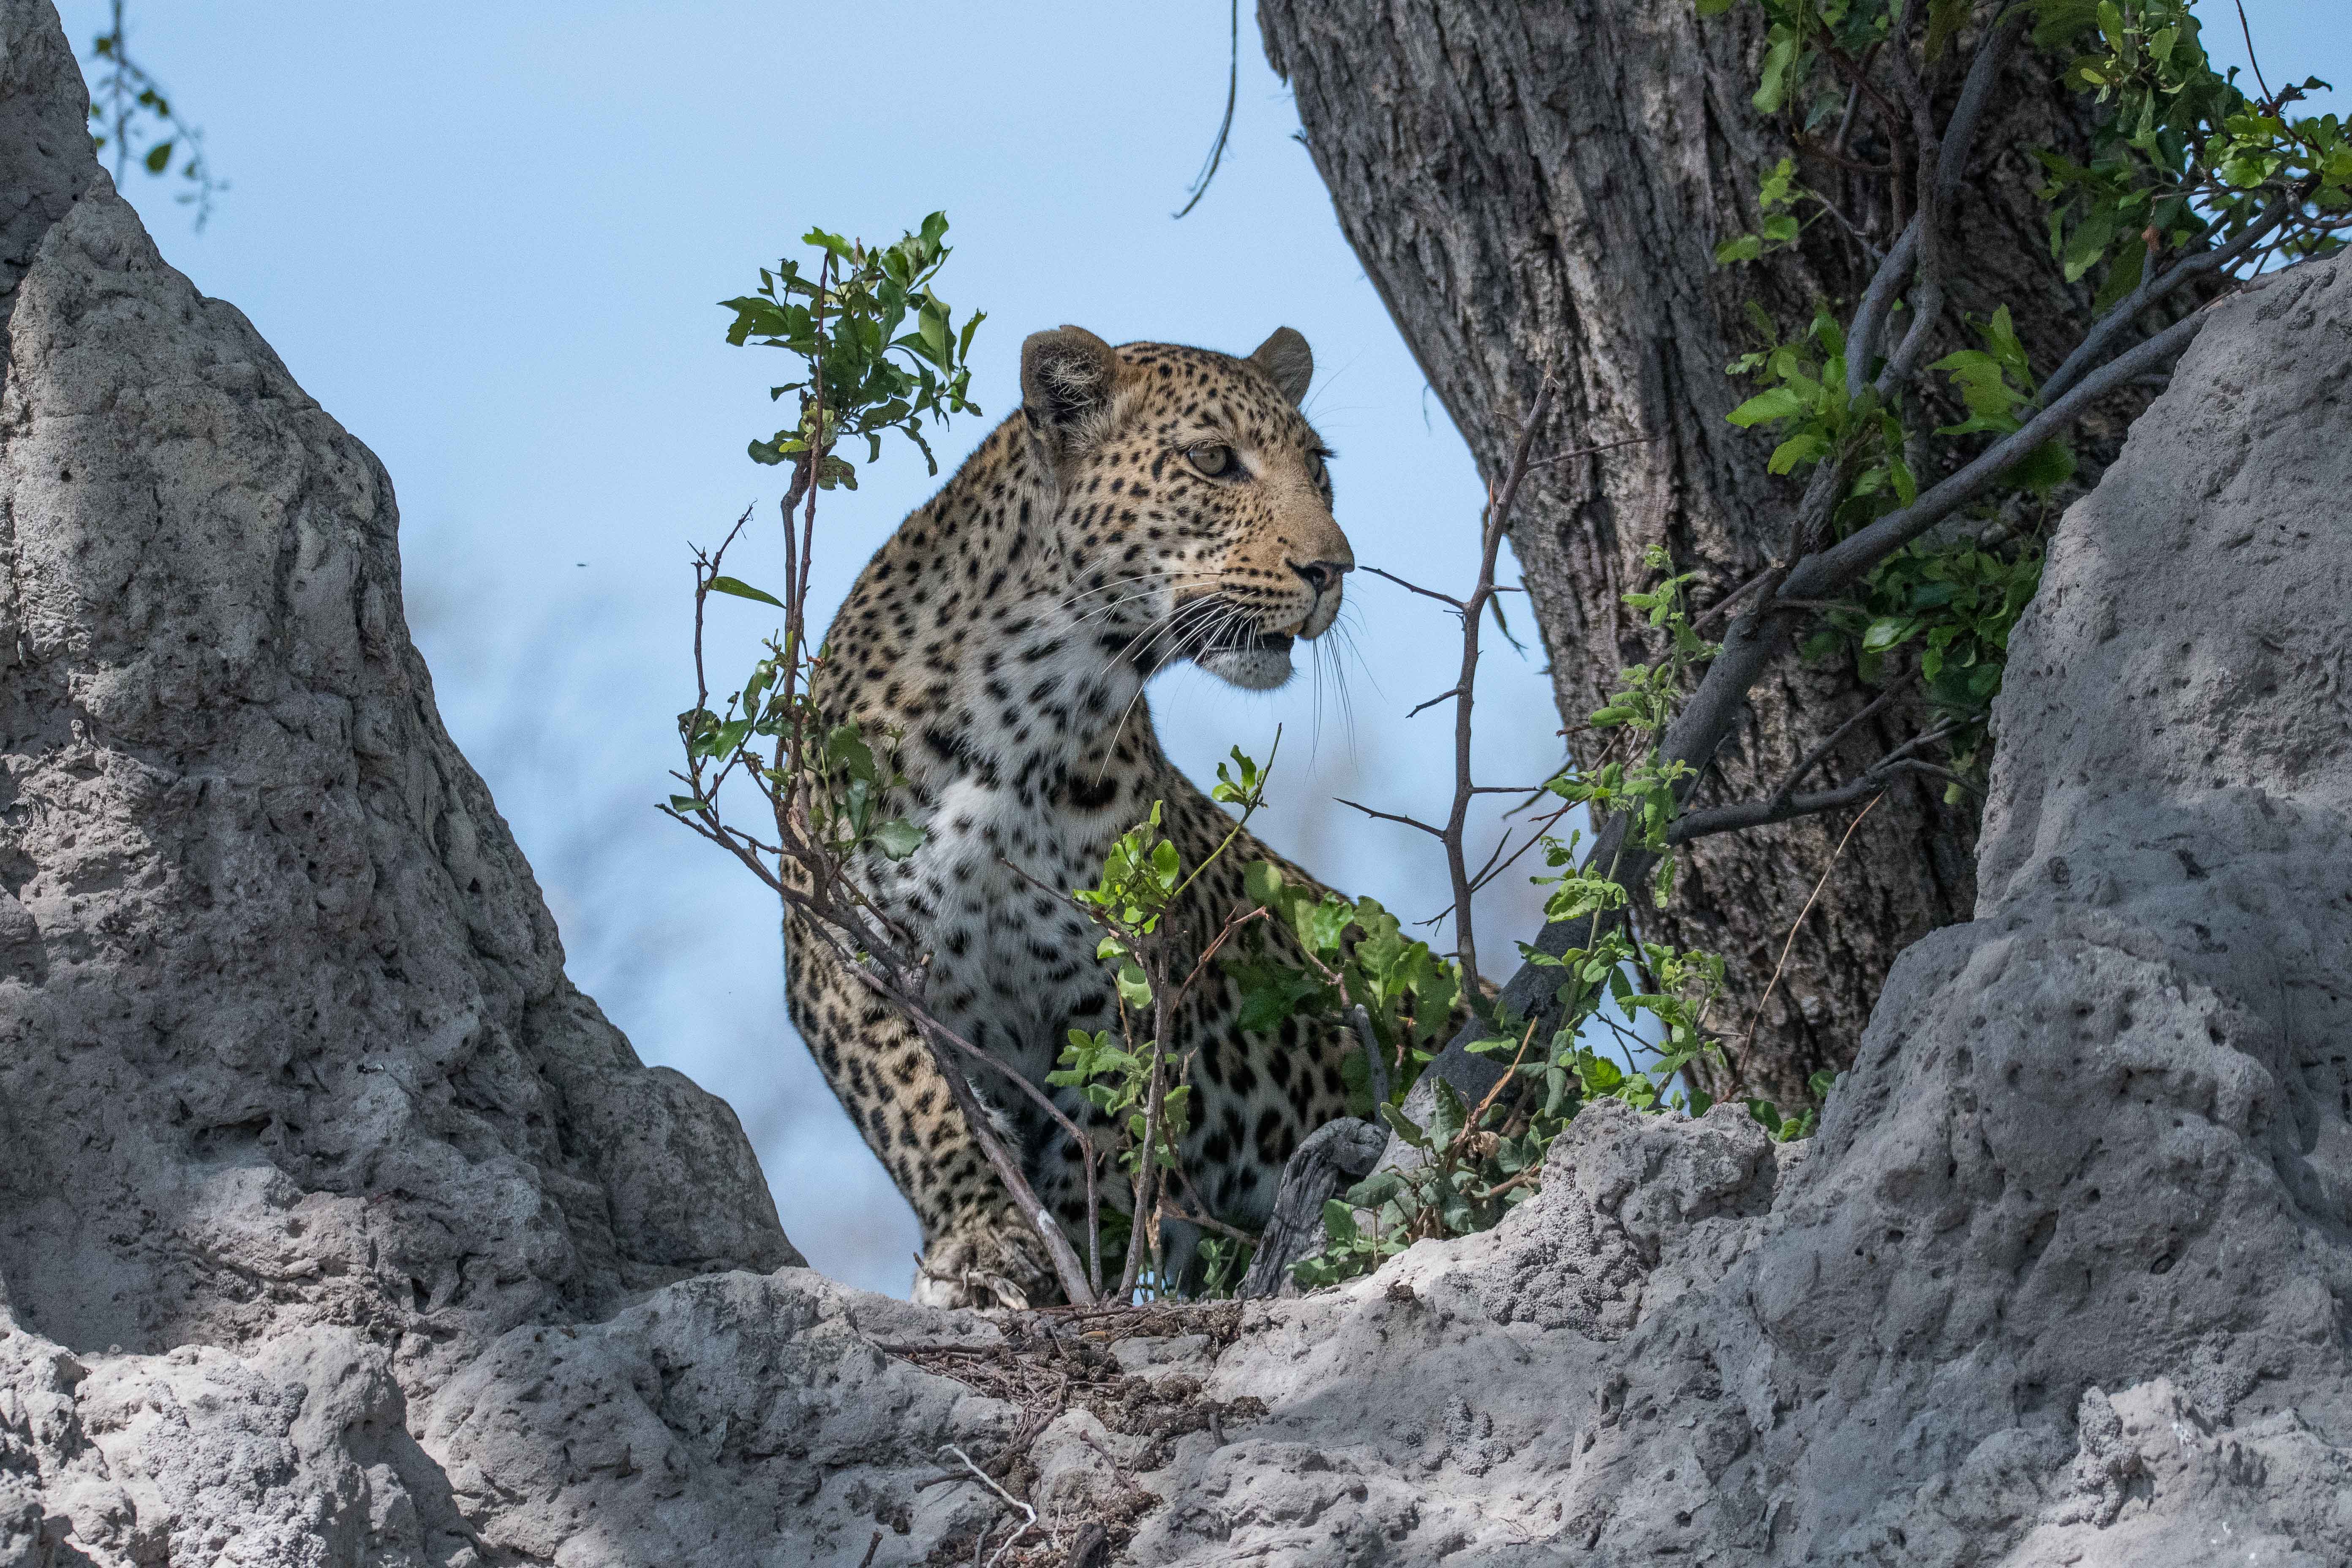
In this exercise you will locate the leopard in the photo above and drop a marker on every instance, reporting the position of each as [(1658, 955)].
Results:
[(1147, 505)]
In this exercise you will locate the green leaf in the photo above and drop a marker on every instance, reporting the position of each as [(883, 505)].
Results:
[(1945, 19), (2046, 466), (158, 157), (897, 838), (1884, 633), (1779, 403), (742, 590), (1778, 60), (1804, 447), (1338, 1222)]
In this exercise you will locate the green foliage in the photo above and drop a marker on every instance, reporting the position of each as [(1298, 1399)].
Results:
[(1478, 1162), (1775, 201), (1956, 604), (1138, 1087), (1358, 956), (2183, 160), (865, 376), (1646, 788), (1223, 1261), (842, 778), (129, 106), (1117, 1082), (841, 321), (2183, 155)]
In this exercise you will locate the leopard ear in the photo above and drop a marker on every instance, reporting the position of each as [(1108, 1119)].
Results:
[(1287, 362), (1066, 377)]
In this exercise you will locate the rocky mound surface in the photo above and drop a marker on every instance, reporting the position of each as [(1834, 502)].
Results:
[(337, 1227)]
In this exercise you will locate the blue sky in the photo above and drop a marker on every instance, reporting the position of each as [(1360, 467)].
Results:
[(489, 239)]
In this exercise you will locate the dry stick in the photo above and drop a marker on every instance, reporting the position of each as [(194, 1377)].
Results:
[(1171, 1210), (1783, 806), (1750, 1038), (1813, 757), (1010, 1502), (1446, 599), (1497, 520), (936, 1037), (1146, 1164), (1430, 828), (1730, 601)]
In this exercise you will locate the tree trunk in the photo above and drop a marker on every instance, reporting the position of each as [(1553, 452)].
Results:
[(1539, 190)]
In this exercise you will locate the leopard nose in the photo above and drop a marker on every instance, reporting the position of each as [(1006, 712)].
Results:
[(1321, 575)]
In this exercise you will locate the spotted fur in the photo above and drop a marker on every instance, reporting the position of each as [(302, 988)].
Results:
[(1007, 630)]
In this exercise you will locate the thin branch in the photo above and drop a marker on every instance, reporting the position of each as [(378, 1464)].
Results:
[(2154, 287), (1171, 1211), (2270, 100), (1497, 524), (1763, 813), (1725, 605), (1010, 1501), (1224, 127), (1391, 817), (937, 1036), (1813, 757), (1589, 451), (1446, 599), (1454, 691), (1749, 1038)]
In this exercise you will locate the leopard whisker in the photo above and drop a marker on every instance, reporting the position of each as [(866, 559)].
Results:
[(1153, 581)]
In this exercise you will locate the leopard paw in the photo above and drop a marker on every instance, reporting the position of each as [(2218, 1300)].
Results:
[(986, 1267)]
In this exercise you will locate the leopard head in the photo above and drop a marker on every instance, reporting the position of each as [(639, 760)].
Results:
[(1191, 500)]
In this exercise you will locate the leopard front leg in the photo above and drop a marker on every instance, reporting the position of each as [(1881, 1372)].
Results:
[(978, 1250)]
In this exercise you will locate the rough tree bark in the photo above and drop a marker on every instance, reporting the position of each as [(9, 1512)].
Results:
[(1540, 190)]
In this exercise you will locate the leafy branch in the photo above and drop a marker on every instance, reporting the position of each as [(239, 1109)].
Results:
[(825, 783), (131, 107)]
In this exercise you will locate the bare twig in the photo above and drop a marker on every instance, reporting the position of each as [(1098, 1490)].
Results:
[(1029, 1514), (1589, 451), (1748, 1037), (1695, 825), (1416, 588), (2270, 100), (1451, 691), (1175, 1211), (1434, 831), (1813, 757), (1497, 524), (1730, 601), (1224, 127)]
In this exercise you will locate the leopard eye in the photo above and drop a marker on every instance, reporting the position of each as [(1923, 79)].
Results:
[(1214, 460)]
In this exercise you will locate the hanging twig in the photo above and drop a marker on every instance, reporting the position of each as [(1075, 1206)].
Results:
[(1224, 127)]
